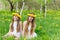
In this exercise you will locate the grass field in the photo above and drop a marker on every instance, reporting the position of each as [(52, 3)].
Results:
[(47, 28)]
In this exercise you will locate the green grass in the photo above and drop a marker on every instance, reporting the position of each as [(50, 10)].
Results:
[(47, 28)]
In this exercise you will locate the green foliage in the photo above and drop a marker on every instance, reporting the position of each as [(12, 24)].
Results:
[(49, 1), (46, 29), (16, 0)]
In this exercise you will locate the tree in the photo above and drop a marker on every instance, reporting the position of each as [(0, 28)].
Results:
[(43, 7), (11, 4), (22, 7)]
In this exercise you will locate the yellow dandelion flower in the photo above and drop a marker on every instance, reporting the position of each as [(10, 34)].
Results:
[(32, 15), (16, 14)]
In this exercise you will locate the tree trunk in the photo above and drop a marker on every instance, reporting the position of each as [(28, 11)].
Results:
[(44, 8), (17, 6), (11, 5), (22, 7), (41, 9)]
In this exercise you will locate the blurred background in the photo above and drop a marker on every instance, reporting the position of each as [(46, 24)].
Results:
[(29, 4), (47, 20)]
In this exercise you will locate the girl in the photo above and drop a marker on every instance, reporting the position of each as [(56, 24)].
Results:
[(29, 26), (15, 26)]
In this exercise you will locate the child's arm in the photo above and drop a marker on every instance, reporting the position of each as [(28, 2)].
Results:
[(20, 27), (24, 24), (34, 26)]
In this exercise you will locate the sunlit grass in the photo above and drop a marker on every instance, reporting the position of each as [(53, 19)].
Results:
[(46, 29)]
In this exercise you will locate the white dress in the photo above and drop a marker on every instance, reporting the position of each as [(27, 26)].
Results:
[(29, 35), (15, 33)]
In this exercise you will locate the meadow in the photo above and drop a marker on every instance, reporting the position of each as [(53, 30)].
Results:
[(46, 28)]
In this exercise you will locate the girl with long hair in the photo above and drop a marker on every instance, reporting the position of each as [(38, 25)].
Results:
[(15, 26), (29, 26)]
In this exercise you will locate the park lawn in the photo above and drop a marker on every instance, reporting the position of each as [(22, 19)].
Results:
[(47, 28)]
